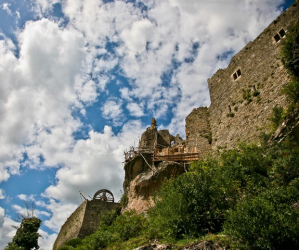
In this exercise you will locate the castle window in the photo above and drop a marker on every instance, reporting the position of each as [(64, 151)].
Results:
[(279, 35), (237, 74), (282, 33)]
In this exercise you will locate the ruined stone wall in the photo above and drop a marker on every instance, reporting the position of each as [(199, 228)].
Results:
[(71, 227), (84, 221), (198, 132), (91, 221), (164, 138), (244, 94)]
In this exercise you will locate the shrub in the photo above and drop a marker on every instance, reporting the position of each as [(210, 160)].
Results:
[(292, 91), (129, 224), (255, 93), (267, 221), (124, 200), (285, 167), (276, 117), (65, 247), (290, 50), (74, 242), (188, 206)]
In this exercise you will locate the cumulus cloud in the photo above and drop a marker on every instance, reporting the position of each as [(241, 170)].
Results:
[(135, 109), (46, 242), (112, 110), (6, 229)]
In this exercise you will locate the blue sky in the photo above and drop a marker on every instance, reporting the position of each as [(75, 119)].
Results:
[(81, 80)]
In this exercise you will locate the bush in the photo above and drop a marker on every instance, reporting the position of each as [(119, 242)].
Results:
[(267, 221), (285, 168), (100, 239), (188, 206), (276, 117), (74, 242), (292, 91), (129, 225), (65, 247), (290, 50)]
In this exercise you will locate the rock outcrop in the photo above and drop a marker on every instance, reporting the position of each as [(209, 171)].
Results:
[(143, 174), (141, 181)]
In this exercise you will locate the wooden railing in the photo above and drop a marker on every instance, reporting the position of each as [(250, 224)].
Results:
[(185, 157), (166, 154)]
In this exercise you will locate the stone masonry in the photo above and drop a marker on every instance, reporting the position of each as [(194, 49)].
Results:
[(84, 221), (243, 95), (198, 132)]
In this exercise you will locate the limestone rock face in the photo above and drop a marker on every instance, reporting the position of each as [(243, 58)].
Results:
[(141, 181)]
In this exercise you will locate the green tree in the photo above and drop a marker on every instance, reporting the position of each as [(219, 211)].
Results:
[(26, 237)]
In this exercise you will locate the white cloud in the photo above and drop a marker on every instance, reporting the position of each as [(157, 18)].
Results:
[(136, 37), (25, 197), (46, 242), (5, 6), (2, 194), (7, 232), (38, 94), (135, 109), (112, 110), (125, 94), (18, 14)]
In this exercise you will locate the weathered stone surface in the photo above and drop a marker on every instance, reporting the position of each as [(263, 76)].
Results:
[(240, 106), (162, 138), (198, 131), (141, 182), (84, 221)]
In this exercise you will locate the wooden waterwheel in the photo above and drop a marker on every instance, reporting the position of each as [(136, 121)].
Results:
[(104, 195)]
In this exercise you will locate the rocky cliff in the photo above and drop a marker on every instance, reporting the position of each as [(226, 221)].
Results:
[(141, 181)]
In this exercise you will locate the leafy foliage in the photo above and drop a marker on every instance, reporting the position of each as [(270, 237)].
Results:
[(26, 236), (267, 221), (290, 50), (292, 91), (276, 117), (190, 205)]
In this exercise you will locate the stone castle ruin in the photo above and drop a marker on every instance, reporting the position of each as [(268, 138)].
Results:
[(244, 94), (242, 99)]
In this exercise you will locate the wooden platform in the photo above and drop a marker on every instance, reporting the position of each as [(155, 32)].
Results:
[(185, 157)]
